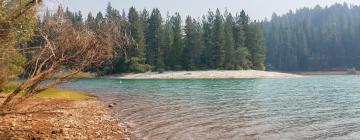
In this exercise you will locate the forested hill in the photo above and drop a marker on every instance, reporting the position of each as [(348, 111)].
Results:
[(314, 39), (171, 42)]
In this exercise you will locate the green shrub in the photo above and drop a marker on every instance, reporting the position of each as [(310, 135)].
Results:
[(137, 65)]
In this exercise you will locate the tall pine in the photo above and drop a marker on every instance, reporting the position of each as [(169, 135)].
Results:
[(218, 50), (154, 55), (137, 51)]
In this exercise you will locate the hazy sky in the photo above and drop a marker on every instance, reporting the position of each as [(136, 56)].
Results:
[(257, 9)]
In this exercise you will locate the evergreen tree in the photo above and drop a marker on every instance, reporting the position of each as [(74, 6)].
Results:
[(239, 32), (99, 18), (90, 22), (168, 43), (218, 52), (229, 42), (218, 41), (313, 39), (208, 39), (256, 47), (109, 11), (190, 45), (136, 52), (242, 59), (177, 48), (154, 55)]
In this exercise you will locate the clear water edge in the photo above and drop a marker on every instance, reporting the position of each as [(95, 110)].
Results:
[(313, 107)]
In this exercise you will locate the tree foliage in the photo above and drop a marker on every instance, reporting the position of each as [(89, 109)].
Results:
[(17, 22), (314, 39), (216, 41)]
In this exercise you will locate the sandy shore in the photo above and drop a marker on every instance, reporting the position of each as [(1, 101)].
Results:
[(211, 74), (61, 119)]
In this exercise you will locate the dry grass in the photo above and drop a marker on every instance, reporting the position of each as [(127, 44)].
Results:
[(66, 94)]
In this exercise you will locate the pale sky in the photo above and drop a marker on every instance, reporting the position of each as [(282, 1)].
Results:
[(257, 9)]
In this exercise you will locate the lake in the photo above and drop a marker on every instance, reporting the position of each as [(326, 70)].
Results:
[(313, 107)]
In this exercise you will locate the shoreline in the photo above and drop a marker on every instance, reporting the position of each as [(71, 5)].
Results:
[(210, 74), (52, 118), (335, 72)]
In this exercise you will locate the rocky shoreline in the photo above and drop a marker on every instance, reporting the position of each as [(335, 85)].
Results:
[(41, 118)]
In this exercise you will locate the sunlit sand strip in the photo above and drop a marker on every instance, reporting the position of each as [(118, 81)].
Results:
[(212, 74)]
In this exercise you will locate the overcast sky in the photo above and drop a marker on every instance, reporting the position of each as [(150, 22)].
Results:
[(257, 9)]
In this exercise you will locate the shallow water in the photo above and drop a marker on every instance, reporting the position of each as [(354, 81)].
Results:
[(316, 107)]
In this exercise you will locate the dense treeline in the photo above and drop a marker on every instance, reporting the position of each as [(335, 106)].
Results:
[(314, 39), (216, 41)]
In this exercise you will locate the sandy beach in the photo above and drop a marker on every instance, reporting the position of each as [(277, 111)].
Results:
[(211, 74)]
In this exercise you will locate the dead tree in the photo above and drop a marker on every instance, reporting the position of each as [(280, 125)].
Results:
[(65, 46)]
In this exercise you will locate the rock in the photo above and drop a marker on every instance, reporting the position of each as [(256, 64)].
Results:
[(53, 132), (111, 105)]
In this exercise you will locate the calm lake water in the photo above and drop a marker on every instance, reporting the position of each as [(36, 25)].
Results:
[(315, 107)]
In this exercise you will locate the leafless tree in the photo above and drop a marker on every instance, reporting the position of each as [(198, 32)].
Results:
[(65, 46)]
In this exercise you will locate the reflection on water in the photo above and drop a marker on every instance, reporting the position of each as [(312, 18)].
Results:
[(319, 107)]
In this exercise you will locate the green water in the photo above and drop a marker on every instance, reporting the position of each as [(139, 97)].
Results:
[(315, 107)]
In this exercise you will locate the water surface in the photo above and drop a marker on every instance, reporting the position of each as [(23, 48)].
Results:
[(316, 107)]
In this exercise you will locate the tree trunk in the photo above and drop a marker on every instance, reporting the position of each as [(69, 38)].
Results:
[(5, 106)]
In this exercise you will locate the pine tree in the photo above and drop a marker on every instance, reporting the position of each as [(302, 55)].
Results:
[(229, 42), (177, 50), (208, 39), (90, 22), (168, 43), (154, 55), (189, 47), (99, 18), (218, 41), (218, 52), (257, 49), (241, 57), (239, 33), (136, 52), (109, 11)]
